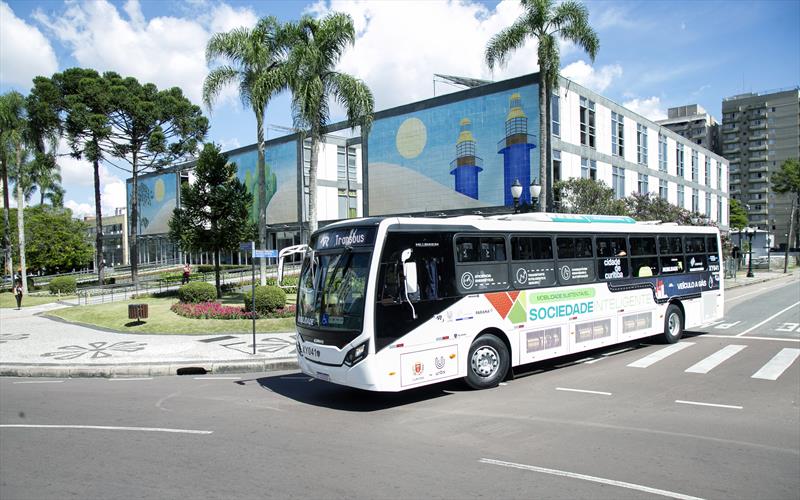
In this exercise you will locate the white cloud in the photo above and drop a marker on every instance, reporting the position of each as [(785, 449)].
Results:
[(595, 79), (24, 51), (79, 210), (400, 46), (113, 195), (167, 51), (79, 174), (649, 108)]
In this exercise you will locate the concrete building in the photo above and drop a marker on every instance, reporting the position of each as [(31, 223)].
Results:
[(456, 154), (695, 124), (115, 237), (759, 132)]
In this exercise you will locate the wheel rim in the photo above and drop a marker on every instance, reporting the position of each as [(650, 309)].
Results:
[(485, 361), (674, 324)]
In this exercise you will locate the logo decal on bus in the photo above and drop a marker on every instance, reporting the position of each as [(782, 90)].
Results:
[(418, 367), (467, 281), (439, 361), (566, 273)]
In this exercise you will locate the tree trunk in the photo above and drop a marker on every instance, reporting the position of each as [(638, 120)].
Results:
[(312, 184), (216, 273), (543, 133), (98, 225), (21, 223), (9, 262), (789, 236), (134, 252), (262, 195), (549, 150)]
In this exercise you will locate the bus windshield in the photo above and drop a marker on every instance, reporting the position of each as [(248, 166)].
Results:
[(331, 290)]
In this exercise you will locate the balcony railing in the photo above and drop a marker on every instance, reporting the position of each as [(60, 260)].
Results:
[(758, 147), (757, 125)]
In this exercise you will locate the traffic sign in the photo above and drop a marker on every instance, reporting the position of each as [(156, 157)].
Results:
[(270, 254), (247, 246)]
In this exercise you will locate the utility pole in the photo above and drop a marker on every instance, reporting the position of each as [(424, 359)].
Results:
[(789, 236)]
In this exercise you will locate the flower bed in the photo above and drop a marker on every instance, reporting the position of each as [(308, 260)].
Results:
[(215, 310)]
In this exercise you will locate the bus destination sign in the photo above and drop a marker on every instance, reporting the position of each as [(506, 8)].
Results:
[(351, 237)]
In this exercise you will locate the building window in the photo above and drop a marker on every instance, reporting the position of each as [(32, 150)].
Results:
[(679, 159), (707, 172), (662, 189), (341, 164), (662, 153), (588, 169), (617, 134), (641, 144), (587, 122), (695, 201), (680, 196), (644, 182), (694, 165), (346, 179), (719, 209), (555, 112), (719, 176), (556, 165), (618, 181), (708, 204)]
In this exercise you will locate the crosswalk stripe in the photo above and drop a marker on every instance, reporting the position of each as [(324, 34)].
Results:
[(778, 364), (715, 359), (660, 354)]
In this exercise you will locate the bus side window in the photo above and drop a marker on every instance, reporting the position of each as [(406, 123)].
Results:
[(467, 249), (612, 262), (644, 260), (671, 250)]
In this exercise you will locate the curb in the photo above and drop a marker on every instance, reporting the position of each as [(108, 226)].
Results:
[(759, 280), (146, 369)]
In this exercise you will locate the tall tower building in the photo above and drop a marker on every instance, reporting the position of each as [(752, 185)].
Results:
[(759, 132), (467, 165), (695, 124), (515, 148)]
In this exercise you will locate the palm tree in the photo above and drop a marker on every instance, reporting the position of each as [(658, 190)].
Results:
[(316, 50), (46, 177), (10, 105), (546, 22), (255, 61)]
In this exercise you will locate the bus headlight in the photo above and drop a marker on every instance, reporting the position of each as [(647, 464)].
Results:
[(357, 354)]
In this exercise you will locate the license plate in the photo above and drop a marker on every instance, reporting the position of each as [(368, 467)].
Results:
[(323, 376)]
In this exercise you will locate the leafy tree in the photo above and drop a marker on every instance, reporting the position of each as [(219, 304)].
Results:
[(317, 47), (787, 181), (256, 62), (649, 206), (213, 215), (738, 215), (545, 21), (54, 239), (588, 196), (150, 129)]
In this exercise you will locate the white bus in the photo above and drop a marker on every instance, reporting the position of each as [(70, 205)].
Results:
[(388, 304)]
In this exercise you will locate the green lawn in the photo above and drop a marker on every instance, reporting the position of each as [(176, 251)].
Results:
[(114, 316), (7, 299)]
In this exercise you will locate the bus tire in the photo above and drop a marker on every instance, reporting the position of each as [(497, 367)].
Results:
[(673, 324), (487, 363)]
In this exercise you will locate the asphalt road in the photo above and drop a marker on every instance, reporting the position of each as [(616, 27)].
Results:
[(715, 419)]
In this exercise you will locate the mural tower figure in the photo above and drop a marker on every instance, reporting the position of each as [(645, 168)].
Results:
[(466, 166), (515, 148)]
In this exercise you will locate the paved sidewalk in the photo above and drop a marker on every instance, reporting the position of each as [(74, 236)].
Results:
[(32, 345), (759, 276)]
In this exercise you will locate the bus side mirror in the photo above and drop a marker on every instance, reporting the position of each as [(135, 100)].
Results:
[(410, 274)]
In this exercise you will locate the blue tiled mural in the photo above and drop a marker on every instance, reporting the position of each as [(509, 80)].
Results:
[(281, 176), (464, 154), (157, 198)]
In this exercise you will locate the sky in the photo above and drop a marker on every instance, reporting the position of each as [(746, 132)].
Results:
[(653, 54)]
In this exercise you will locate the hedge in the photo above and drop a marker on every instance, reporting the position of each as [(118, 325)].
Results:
[(63, 284), (197, 291), (268, 299)]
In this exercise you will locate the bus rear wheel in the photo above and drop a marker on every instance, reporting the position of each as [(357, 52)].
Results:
[(673, 324), (488, 362)]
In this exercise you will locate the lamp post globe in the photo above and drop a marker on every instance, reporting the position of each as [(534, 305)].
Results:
[(516, 192), (536, 190)]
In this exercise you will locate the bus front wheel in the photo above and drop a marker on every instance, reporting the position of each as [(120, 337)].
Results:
[(488, 362), (673, 324)]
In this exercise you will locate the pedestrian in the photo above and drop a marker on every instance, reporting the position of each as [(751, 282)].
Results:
[(18, 293), (187, 270)]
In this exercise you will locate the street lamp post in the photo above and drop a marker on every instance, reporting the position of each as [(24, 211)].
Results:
[(750, 233), (516, 192), (536, 190)]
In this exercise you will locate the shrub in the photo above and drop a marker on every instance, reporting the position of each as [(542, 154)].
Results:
[(63, 284), (210, 310), (268, 299), (197, 291)]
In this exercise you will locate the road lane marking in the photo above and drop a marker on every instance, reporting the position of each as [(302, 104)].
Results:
[(749, 338), (594, 479), (660, 354), (217, 378), (715, 359), (127, 379), (778, 364), (698, 403), (766, 320), (40, 382), (106, 428), (583, 390)]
